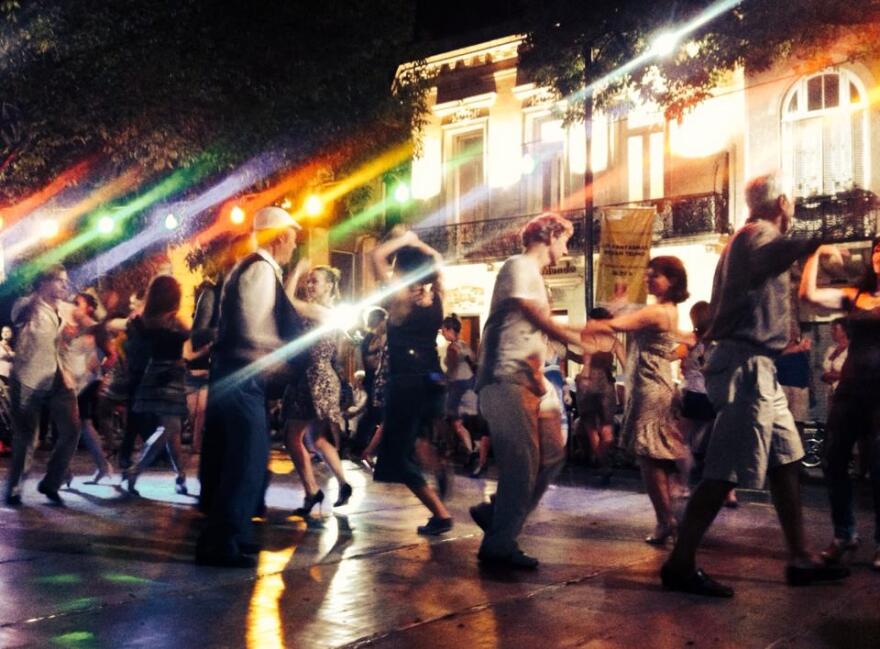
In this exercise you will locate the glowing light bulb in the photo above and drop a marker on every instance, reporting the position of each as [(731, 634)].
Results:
[(171, 221), (49, 229), (236, 215), (105, 224), (314, 205), (401, 193), (664, 44)]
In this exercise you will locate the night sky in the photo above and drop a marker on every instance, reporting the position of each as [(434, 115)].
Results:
[(451, 22)]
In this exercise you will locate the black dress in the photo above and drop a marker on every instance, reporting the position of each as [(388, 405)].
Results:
[(161, 390), (414, 393)]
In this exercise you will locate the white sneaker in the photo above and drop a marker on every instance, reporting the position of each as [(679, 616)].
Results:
[(875, 564)]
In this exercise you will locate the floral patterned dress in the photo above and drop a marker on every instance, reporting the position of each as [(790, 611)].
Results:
[(317, 396)]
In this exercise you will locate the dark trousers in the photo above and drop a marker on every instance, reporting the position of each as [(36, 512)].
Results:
[(855, 413), (238, 421)]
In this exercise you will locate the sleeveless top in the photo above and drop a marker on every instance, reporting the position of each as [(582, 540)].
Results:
[(863, 358), (412, 344), (649, 425)]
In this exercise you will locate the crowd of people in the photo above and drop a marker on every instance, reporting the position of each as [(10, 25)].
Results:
[(258, 338)]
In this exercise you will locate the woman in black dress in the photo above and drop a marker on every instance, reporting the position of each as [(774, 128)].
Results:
[(161, 391), (414, 394)]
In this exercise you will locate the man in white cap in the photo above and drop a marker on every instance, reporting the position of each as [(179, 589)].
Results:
[(256, 319)]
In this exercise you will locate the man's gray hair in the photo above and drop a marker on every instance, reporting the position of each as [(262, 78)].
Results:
[(762, 196)]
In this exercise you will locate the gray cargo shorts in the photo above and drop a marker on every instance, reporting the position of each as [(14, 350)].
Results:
[(754, 429)]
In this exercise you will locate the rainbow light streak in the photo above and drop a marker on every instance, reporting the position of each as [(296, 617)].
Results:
[(26, 206), (303, 342), (362, 176), (174, 183), (21, 237), (651, 53), (342, 230)]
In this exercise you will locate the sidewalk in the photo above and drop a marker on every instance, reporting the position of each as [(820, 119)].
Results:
[(110, 571)]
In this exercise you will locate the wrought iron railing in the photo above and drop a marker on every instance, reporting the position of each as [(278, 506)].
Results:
[(852, 215), (491, 239), (687, 215)]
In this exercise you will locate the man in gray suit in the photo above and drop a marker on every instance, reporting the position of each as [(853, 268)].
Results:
[(256, 319), (39, 380)]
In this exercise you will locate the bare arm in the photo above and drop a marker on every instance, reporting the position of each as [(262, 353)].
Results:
[(383, 251), (828, 298), (540, 319), (654, 316)]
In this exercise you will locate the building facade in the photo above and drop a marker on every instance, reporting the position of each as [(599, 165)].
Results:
[(494, 152)]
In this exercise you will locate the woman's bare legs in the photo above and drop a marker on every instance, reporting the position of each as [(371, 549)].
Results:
[(656, 480), (294, 435), (463, 434), (330, 453)]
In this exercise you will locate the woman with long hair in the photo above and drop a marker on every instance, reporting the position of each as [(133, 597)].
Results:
[(414, 392), (161, 392), (650, 431), (855, 408), (315, 398)]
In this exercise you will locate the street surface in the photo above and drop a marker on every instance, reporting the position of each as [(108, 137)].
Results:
[(111, 571)]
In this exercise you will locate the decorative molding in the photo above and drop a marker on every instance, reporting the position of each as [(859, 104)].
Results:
[(470, 104)]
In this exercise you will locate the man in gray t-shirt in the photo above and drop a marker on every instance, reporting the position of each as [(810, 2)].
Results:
[(510, 384), (754, 434)]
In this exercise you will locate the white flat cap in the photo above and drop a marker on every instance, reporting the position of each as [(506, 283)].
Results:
[(274, 218)]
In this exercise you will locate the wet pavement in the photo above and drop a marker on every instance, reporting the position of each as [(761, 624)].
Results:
[(108, 570)]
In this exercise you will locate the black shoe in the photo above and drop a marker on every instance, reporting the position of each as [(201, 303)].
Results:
[(54, 496), (516, 560), (482, 515), (309, 503), (226, 560), (344, 495), (13, 500), (695, 583), (435, 526), (806, 575)]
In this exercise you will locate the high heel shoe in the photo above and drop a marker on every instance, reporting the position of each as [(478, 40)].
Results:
[(68, 478), (661, 535), (100, 474), (130, 477), (344, 495), (180, 485), (309, 503)]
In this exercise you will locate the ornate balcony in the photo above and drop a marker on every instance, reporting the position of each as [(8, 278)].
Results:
[(852, 215), (493, 239)]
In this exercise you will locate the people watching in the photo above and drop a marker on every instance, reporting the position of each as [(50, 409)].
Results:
[(460, 365), (596, 396)]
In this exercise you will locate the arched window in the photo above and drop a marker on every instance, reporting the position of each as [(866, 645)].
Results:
[(825, 133)]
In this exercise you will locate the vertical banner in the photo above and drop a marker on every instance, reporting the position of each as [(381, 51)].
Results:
[(624, 250)]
